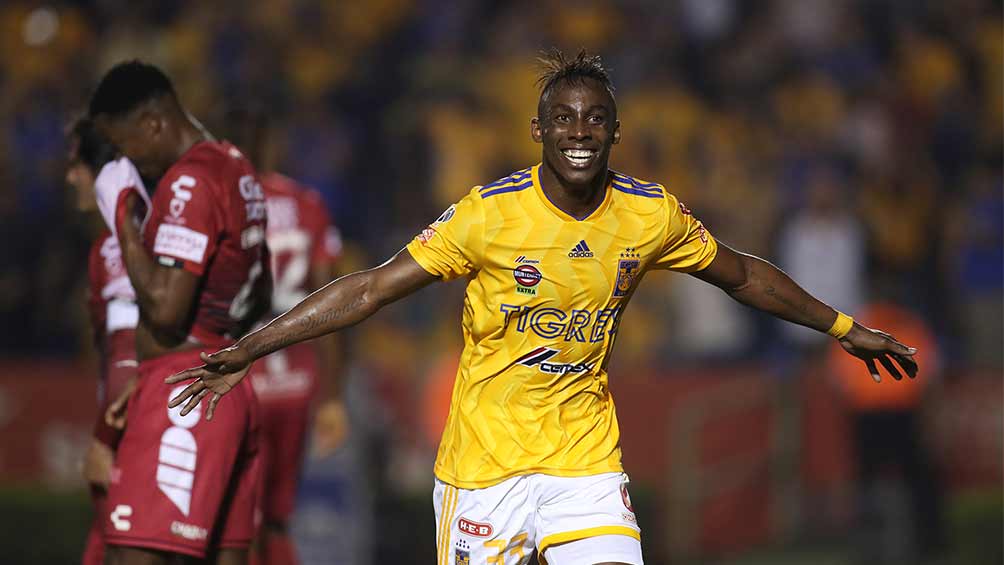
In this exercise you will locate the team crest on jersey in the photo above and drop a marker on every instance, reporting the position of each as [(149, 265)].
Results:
[(462, 553), (527, 278), (628, 269)]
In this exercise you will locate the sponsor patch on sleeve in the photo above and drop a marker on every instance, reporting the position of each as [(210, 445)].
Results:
[(180, 242), (426, 235)]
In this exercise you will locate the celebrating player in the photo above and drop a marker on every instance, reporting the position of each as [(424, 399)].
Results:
[(114, 316), (530, 456), (304, 246), (199, 265)]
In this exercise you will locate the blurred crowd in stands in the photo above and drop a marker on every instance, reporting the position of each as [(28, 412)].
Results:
[(855, 143)]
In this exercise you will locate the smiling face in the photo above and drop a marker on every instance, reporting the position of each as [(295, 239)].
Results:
[(577, 125)]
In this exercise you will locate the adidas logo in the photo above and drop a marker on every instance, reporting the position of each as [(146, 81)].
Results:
[(580, 250)]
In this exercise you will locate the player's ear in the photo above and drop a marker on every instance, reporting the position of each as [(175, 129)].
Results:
[(617, 132), (151, 123), (535, 132)]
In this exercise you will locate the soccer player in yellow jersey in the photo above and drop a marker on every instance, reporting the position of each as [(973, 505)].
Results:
[(551, 255)]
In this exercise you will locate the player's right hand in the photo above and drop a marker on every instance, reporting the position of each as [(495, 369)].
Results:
[(220, 373)]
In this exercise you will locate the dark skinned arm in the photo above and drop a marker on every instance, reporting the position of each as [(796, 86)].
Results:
[(165, 295), (328, 345), (339, 304), (759, 284)]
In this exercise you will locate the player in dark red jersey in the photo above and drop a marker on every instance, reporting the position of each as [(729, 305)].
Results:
[(114, 315), (304, 246), (199, 264)]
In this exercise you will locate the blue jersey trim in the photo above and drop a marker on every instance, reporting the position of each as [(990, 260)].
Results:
[(635, 182), (638, 192), (513, 178), (515, 188)]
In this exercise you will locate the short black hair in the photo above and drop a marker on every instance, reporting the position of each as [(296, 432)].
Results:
[(559, 70), (128, 85), (92, 149)]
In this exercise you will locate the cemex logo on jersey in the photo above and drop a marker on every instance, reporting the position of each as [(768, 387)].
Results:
[(580, 250), (538, 357), (474, 528)]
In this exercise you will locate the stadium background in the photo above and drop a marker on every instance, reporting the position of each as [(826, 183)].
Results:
[(855, 143)]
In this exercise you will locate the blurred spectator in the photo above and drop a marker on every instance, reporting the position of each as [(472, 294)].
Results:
[(822, 247), (888, 433), (974, 257)]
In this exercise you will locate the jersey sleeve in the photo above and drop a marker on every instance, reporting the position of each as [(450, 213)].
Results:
[(453, 245), (185, 222), (687, 247)]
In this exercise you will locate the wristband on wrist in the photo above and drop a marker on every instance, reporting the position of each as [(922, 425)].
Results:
[(841, 326)]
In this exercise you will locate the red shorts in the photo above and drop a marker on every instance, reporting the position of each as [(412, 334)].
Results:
[(182, 484), (285, 383)]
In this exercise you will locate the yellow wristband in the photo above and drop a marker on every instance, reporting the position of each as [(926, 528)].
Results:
[(841, 325)]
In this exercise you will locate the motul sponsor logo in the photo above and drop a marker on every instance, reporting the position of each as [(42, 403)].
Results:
[(474, 528)]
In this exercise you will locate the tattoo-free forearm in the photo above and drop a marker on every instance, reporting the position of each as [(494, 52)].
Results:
[(139, 266), (769, 289)]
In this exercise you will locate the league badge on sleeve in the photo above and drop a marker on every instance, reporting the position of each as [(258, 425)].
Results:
[(628, 269)]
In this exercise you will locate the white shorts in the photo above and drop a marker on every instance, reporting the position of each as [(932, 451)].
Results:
[(563, 518)]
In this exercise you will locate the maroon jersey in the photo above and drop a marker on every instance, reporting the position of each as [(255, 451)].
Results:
[(300, 236), (208, 217), (114, 315)]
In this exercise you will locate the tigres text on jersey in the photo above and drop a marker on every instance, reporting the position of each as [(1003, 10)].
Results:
[(545, 293)]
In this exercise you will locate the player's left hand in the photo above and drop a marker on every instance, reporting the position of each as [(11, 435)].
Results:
[(98, 462), (115, 414), (219, 375), (870, 345)]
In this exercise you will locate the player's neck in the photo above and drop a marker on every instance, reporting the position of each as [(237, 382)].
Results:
[(576, 200), (189, 135)]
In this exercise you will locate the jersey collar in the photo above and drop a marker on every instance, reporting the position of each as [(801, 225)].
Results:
[(539, 189)]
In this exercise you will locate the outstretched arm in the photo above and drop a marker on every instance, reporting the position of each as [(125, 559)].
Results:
[(341, 303), (759, 284)]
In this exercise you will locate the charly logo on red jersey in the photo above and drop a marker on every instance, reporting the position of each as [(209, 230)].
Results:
[(181, 195), (474, 528)]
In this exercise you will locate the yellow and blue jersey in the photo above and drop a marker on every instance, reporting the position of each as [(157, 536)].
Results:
[(545, 292)]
